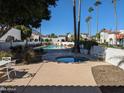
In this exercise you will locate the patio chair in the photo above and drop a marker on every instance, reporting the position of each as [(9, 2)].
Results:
[(9, 65)]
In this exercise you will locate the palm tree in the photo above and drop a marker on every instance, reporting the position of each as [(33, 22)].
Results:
[(90, 10), (88, 18), (79, 17), (75, 31), (115, 13), (97, 3)]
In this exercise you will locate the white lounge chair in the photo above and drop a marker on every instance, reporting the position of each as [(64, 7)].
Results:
[(8, 66)]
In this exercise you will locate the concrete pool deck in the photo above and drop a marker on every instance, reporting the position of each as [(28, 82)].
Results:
[(57, 74)]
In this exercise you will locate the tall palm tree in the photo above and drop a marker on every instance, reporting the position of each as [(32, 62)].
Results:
[(87, 20), (115, 13), (90, 10), (75, 31), (97, 3), (79, 19)]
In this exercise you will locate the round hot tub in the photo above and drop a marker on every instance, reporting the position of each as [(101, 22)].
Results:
[(71, 59)]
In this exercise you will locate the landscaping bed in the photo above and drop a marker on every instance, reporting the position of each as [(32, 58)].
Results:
[(110, 79), (27, 55)]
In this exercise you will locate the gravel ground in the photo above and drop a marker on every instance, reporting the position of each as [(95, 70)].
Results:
[(109, 78)]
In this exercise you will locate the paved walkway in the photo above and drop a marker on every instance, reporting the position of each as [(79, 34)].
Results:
[(56, 75)]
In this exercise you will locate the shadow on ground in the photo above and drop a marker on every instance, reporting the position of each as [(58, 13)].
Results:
[(20, 74)]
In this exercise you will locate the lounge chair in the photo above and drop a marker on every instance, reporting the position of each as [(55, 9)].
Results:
[(8, 66)]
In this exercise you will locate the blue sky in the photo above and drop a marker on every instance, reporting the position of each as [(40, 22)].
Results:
[(61, 21)]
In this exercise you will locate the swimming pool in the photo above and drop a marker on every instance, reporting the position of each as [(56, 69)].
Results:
[(50, 47), (71, 59), (54, 47)]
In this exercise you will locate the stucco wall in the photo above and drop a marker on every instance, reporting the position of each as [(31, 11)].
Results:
[(115, 56), (12, 32), (97, 50), (35, 37), (113, 37), (103, 37), (4, 46), (112, 55), (59, 39)]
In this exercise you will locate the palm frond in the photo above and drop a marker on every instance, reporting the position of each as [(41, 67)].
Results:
[(88, 18), (90, 9), (97, 3)]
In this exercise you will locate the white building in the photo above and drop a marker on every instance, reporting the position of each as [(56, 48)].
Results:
[(121, 31), (35, 36), (14, 33), (45, 37), (112, 38), (59, 39), (104, 35), (84, 36), (69, 35)]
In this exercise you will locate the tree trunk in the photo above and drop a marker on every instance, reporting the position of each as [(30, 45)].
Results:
[(79, 17), (75, 32), (26, 44), (88, 27), (97, 19), (116, 20)]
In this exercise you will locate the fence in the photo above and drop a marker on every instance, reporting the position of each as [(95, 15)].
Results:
[(112, 55), (7, 45)]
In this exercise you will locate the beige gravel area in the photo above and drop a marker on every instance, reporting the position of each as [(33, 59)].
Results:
[(110, 79), (108, 75)]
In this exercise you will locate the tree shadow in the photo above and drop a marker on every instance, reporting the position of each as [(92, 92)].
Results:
[(121, 58), (19, 75)]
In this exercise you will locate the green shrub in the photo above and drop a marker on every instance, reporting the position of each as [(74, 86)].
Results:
[(31, 56), (5, 54), (17, 49), (38, 51), (27, 58), (88, 44), (47, 40), (26, 54)]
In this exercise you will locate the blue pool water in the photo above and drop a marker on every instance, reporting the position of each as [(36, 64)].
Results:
[(50, 47), (54, 47), (71, 59)]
